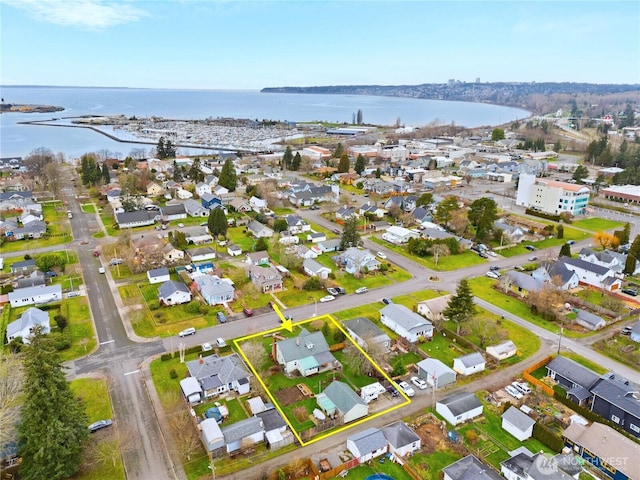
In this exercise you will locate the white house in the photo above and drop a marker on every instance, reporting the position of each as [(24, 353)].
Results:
[(315, 269), (24, 325), (257, 204), (355, 260), (591, 274), (202, 188), (234, 250), (469, 364), (518, 423), (459, 407), (502, 350), (409, 325), (218, 375), (433, 308), (367, 444), (158, 275), (436, 373), (470, 468), (365, 333), (338, 397), (307, 354), (589, 320), (174, 293), (399, 235), (35, 295), (401, 439), (245, 432)]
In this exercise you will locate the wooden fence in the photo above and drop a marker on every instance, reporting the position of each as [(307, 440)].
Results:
[(526, 374)]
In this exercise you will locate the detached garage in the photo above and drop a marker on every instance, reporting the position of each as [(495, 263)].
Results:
[(459, 407)]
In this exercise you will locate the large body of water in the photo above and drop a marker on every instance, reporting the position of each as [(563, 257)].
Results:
[(19, 140)]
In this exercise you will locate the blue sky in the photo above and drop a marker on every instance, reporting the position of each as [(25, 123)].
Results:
[(217, 44)]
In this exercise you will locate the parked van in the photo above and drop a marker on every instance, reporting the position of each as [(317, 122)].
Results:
[(187, 331), (522, 387)]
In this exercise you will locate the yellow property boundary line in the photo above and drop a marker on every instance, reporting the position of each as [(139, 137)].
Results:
[(287, 324)]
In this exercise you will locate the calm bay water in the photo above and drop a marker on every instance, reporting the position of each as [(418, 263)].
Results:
[(19, 140)]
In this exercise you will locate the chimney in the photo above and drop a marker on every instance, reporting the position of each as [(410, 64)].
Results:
[(273, 347), (200, 360), (298, 341)]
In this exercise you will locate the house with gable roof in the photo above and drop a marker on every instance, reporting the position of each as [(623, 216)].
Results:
[(138, 218), (245, 432), (267, 279), (591, 274), (365, 332), (459, 407), (367, 444), (215, 290), (202, 188), (589, 320), (35, 295), (339, 398), (219, 375), (401, 439), (308, 354), (617, 399), (174, 293), (518, 423), (195, 208), (158, 275), (469, 364), (432, 309), (556, 273), (436, 373), (315, 269), (470, 468), (604, 259), (573, 377), (258, 230), (409, 325), (355, 260), (25, 324), (502, 350)]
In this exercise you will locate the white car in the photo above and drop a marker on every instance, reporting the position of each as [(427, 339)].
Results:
[(101, 270), (206, 347), (406, 388), (511, 390), (522, 387), (418, 382), (361, 290), (491, 253), (327, 298), (492, 274), (381, 255)]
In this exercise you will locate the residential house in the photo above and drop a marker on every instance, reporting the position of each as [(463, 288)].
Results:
[(518, 423), (307, 354), (369, 209), (267, 279), (367, 444), (635, 332), (193, 208), (332, 245), (470, 468), (522, 283), (139, 218), (173, 293), (315, 269), (212, 436), (23, 266), (214, 290), (512, 234), (409, 325), (570, 374), (258, 204), (258, 258), (345, 212), (524, 465), (399, 235), (401, 439), (173, 212), (502, 350), (183, 194), (275, 429), (432, 309), (243, 433), (13, 200), (35, 295), (436, 373), (296, 224), (589, 320), (339, 398), (201, 254), (367, 334), (469, 364), (220, 375), (459, 407), (158, 275), (202, 188), (234, 250), (210, 201), (199, 239), (154, 190), (33, 229), (594, 275), (34, 279), (616, 399), (607, 450), (605, 259), (316, 237), (25, 324), (556, 273), (191, 390), (355, 260), (240, 205), (171, 254), (258, 230), (303, 251)]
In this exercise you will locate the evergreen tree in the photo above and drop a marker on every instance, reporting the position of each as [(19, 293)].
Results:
[(295, 164), (161, 153), (217, 223), (557, 146), (262, 244), (54, 423), (195, 173), (360, 164), (482, 215), (169, 149), (580, 173), (343, 165), (106, 178), (350, 235), (629, 117), (565, 250), (338, 151), (228, 177), (635, 247), (461, 307), (497, 134), (287, 158), (630, 265), (445, 209), (425, 200), (378, 172), (178, 175), (359, 117), (560, 231)]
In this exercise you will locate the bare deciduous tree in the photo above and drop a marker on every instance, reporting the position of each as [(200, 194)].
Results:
[(11, 378), (439, 250), (256, 354)]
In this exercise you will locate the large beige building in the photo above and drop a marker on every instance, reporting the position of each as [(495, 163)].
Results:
[(551, 196)]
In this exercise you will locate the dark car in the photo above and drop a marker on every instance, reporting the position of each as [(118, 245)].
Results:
[(248, 312), (340, 290), (221, 317), (531, 248), (96, 253), (50, 274), (387, 301), (99, 425), (483, 255), (630, 291), (626, 331), (494, 268)]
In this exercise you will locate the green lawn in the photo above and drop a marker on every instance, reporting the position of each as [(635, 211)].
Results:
[(429, 466), (620, 348), (88, 208), (394, 470), (80, 329), (597, 224), (443, 348)]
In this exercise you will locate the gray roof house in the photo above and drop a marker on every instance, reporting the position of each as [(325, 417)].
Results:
[(571, 374), (34, 229), (367, 444), (401, 439), (469, 364), (432, 309), (589, 320), (517, 423), (23, 266), (24, 325), (218, 375), (616, 399), (459, 407), (247, 431), (267, 279), (558, 274), (35, 295), (470, 468), (344, 400), (363, 330), (523, 283), (315, 269), (308, 354), (355, 260), (34, 279), (158, 275), (259, 230), (174, 293), (195, 208), (215, 290), (436, 373), (409, 325), (175, 211), (139, 218)]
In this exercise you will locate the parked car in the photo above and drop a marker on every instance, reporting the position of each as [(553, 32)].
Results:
[(73, 293), (483, 255), (206, 347), (327, 298), (511, 390), (340, 290), (630, 291), (381, 255), (221, 317), (418, 382), (248, 312), (50, 273), (96, 253), (99, 425), (101, 270), (333, 291), (491, 274), (406, 388), (220, 342), (187, 331), (626, 331), (491, 253), (522, 387), (115, 261), (361, 290), (570, 242), (532, 258), (531, 248), (180, 225), (494, 268), (387, 301)]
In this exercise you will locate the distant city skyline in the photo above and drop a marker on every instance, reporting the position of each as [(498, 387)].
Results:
[(224, 44)]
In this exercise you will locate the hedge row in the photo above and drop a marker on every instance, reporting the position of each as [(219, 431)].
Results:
[(546, 436), (195, 349), (537, 213)]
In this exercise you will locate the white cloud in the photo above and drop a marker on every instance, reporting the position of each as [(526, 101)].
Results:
[(91, 14)]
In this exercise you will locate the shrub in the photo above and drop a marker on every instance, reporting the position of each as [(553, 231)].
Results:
[(203, 310), (312, 284), (546, 436), (471, 436), (60, 342), (192, 307), (173, 374), (154, 304)]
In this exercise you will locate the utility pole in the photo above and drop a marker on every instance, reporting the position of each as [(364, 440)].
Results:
[(560, 339)]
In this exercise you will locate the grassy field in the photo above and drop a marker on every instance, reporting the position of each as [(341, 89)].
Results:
[(569, 234), (585, 362), (391, 469), (597, 224), (95, 397), (430, 465), (620, 348)]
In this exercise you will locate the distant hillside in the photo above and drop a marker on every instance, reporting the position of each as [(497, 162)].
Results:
[(501, 93)]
